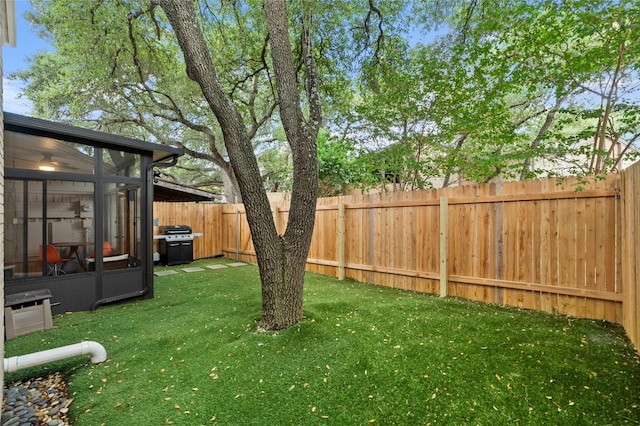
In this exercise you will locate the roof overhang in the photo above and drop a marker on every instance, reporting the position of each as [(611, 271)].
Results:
[(172, 192), (36, 126)]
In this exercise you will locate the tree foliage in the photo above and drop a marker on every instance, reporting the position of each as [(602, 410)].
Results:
[(510, 90), (514, 90), (118, 69), (337, 166)]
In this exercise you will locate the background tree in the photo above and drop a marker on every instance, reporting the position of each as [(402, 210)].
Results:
[(514, 90), (571, 60), (337, 166)]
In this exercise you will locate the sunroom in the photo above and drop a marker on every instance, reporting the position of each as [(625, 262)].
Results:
[(78, 213)]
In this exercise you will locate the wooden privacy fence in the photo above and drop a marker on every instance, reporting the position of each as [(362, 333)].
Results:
[(535, 244)]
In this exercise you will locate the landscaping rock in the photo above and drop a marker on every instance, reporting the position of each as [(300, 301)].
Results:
[(36, 402)]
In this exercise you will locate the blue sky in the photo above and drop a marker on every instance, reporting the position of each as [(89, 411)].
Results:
[(14, 59)]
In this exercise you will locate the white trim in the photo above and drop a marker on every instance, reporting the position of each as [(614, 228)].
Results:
[(9, 23)]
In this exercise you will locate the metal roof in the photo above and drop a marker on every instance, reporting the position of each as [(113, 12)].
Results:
[(36, 126)]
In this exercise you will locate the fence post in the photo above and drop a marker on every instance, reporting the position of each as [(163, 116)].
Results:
[(341, 239), (444, 239), (237, 234), (372, 240)]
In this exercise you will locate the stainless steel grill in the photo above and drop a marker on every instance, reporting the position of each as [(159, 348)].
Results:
[(176, 245)]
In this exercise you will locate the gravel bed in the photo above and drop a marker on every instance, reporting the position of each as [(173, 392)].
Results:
[(37, 402)]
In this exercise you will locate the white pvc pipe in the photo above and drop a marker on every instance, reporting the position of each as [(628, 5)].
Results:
[(95, 349)]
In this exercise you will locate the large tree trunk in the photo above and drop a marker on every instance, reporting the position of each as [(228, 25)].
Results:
[(287, 282), (281, 258)]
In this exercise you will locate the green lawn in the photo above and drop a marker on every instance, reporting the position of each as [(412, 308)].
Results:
[(364, 355)]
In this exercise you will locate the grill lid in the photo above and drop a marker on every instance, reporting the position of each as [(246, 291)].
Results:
[(175, 230)]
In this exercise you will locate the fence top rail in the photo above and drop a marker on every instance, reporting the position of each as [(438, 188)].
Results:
[(498, 198)]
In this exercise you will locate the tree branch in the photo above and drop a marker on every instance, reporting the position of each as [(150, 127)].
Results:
[(551, 114)]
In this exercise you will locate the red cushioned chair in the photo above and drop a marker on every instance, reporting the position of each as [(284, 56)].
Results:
[(54, 261)]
